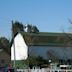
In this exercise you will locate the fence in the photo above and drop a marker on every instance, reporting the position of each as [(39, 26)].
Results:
[(43, 70)]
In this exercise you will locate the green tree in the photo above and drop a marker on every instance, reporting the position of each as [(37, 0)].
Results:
[(35, 29), (41, 61), (5, 44), (17, 27), (36, 61), (32, 29)]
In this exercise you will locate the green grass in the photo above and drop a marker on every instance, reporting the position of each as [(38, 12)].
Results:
[(20, 64)]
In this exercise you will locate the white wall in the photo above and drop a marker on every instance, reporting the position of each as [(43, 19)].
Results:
[(19, 49)]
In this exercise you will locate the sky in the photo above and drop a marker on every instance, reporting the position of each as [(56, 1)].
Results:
[(47, 15)]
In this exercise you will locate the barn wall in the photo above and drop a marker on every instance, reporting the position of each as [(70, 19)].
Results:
[(60, 52)]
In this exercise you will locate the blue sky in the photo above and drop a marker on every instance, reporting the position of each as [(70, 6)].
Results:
[(47, 15)]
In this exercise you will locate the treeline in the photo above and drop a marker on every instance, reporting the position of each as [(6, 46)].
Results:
[(19, 27)]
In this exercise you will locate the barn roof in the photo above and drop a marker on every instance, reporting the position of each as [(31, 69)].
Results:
[(48, 38)]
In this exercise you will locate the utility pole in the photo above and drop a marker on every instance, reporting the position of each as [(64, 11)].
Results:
[(14, 49)]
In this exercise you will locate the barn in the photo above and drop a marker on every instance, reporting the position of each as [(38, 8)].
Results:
[(52, 47)]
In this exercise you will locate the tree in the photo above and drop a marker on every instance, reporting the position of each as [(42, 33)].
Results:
[(31, 61), (36, 61), (41, 61), (17, 27), (35, 29), (68, 35), (32, 29), (5, 44), (68, 42), (29, 28)]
